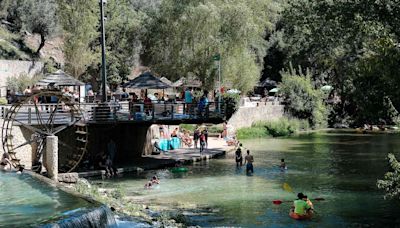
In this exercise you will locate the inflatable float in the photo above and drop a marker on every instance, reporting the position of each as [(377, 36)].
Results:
[(179, 169), (307, 216)]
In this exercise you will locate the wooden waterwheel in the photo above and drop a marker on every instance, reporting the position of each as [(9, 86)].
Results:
[(46, 113)]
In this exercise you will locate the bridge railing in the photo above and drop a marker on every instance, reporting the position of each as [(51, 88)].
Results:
[(116, 111)]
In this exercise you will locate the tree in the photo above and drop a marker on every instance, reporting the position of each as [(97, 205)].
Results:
[(36, 16), (79, 34), (124, 31), (391, 182), (185, 35), (303, 101)]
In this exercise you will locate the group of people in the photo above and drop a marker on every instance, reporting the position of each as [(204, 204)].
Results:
[(248, 159)]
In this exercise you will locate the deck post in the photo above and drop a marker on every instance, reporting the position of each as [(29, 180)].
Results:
[(51, 158), (29, 115)]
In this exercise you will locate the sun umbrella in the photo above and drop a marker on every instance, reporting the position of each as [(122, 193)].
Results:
[(274, 90), (233, 91), (326, 88), (146, 81)]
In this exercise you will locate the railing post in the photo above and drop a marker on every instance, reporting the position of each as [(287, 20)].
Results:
[(5, 112), (172, 111), (29, 115), (2, 112), (153, 110)]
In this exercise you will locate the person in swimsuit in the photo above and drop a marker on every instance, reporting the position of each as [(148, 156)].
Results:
[(283, 165), (249, 159), (5, 160)]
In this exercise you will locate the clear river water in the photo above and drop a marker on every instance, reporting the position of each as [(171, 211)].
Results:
[(339, 167)]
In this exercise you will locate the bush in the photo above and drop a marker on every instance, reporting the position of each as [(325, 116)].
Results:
[(215, 128), (188, 127), (391, 182), (303, 101), (3, 101), (231, 102), (252, 132), (281, 127)]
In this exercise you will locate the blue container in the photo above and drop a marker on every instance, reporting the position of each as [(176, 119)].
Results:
[(164, 144), (175, 143)]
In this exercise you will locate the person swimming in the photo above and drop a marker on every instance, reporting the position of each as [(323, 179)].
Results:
[(283, 165), (155, 180)]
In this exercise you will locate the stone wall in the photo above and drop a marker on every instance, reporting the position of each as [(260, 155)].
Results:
[(246, 116), (10, 68), (20, 135)]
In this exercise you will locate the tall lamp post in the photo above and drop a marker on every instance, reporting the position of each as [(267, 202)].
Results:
[(217, 57), (103, 50)]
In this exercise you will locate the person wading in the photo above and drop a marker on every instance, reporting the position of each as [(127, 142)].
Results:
[(249, 160)]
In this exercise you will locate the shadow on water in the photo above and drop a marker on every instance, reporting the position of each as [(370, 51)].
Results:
[(342, 169)]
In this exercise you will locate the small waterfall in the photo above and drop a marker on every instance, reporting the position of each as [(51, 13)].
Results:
[(97, 217)]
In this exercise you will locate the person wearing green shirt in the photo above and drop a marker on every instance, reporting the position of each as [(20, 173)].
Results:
[(301, 206)]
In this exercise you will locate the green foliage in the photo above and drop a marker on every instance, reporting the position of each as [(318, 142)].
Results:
[(251, 132), (123, 39), (302, 100), (349, 46), (79, 34), (188, 127), (35, 16), (21, 82), (282, 127), (3, 101), (231, 102), (184, 36), (391, 182)]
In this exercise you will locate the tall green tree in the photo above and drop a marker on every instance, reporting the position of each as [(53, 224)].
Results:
[(185, 35), (123, 39), (80, 22)]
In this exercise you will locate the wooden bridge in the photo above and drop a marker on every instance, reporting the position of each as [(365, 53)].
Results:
[(116, 112)]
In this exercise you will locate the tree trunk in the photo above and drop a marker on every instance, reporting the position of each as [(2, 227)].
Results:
[(42, 42)]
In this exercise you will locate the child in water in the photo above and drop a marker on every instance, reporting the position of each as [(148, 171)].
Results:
[(154, 180), (283, 165)]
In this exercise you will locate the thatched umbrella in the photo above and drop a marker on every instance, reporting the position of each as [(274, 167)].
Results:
[(146, 81)]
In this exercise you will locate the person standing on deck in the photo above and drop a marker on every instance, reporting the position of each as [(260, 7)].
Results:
[(188, 100), (202, 142), (249, 160), (196, 136)]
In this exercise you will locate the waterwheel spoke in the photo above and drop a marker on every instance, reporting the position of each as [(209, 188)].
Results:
[(25, 143), (63, 127), (52, 115), (39, 117)]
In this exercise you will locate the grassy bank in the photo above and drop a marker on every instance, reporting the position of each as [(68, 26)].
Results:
[(281, 127)]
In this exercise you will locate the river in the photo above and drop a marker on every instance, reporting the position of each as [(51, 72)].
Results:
[(341, 168)]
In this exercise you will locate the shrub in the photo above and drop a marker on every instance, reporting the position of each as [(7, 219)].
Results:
[(252, 132), (281, 127), (303, 101), (188, 127), (3, 101), (231, 102), (391, 182)]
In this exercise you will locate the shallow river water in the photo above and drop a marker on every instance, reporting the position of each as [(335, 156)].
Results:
[(341, 168)]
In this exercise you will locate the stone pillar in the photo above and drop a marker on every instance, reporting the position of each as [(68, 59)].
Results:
[(51, 158)]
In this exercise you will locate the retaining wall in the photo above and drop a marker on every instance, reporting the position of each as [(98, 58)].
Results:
[(246, 116)]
